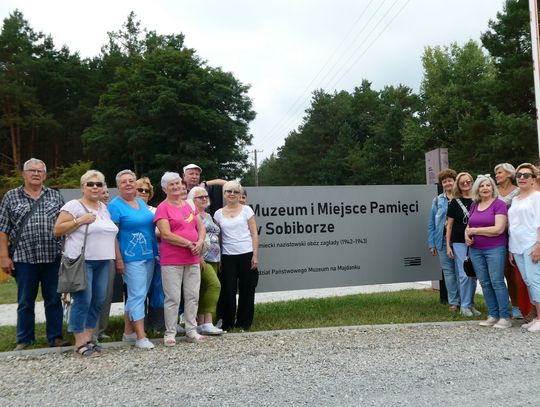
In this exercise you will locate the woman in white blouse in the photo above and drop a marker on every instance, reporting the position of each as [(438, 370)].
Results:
[(524, 230), (239, 258), (75, 217)]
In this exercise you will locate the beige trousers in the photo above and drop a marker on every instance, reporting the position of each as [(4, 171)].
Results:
[(173, 278)]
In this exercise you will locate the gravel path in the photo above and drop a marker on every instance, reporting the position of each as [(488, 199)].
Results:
[(416, 365)]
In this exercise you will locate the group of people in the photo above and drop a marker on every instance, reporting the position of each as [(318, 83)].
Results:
[(495, 224), (192, 260)]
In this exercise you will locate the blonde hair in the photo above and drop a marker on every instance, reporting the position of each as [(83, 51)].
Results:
[(92, 174), (145, 181), (456, 190), (531, 167)]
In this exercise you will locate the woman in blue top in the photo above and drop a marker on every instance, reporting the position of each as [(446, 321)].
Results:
[(137, 241), (437, 236)]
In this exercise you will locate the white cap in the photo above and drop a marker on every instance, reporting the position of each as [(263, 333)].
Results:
[(192, 166)]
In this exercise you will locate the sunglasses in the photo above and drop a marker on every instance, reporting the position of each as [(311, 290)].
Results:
[(231, 191), (143, 190), (525, 175), (465, 182), (92, 184), (202, 197)]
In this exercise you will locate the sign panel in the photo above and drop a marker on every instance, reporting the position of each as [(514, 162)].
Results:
[(332, 236)]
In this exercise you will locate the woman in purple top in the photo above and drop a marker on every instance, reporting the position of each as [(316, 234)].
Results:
[(487, 238)]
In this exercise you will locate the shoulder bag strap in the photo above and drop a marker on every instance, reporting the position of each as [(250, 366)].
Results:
[(24, 221), (463, 208), (86, 230)]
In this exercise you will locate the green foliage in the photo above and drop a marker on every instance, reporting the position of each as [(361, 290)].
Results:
[(70, 176), (9, 181)]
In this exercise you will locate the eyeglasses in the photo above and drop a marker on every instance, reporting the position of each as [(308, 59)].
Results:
[(202, 197), (232, 191), (143, 190), (36, 171), (92, 184), (525, 175), (465, 182)]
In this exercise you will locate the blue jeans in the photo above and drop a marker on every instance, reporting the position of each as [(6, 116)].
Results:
[(450, 276), (28, 277), (489, 266), (467, 285), (137, 276), (87, 304), (530, 272)]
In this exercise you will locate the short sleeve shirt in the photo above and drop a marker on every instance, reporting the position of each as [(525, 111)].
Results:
[(136, 235), (183, 222), (235, 234), (460, 219), (101, 234), (37, 243), (486, 218)]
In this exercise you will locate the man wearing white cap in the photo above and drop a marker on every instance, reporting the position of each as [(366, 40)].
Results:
[(192, 178)]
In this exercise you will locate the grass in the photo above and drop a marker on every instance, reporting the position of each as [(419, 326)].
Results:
[(407, 306), (8, 292)]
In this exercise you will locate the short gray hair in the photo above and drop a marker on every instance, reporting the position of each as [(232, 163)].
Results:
[(92, 174), (34, 161), (506, 167), (124, 172), (169, 177), (476, 187)]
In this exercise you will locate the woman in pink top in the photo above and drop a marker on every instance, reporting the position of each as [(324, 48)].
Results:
[(182, 237), (487, 239)]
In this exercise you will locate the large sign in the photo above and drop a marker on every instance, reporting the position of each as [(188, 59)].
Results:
[(332, 236)]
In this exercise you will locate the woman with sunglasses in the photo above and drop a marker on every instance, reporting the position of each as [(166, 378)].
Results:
[(524, 230), (486, 236), (239, 258), (210, 285), (76, 217), (458, 217)]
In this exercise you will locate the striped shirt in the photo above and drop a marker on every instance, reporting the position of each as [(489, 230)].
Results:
[(36, 243)]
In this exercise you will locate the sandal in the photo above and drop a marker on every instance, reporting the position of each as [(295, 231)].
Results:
[(94, 346), (86, 351), (196, 339)]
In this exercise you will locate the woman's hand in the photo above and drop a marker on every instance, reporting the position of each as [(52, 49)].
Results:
[(87, 218), (469, 240), (449, 252), (433, 251), (196, 247), (511, 259), (120, 266), (254, 262), (535, 254)]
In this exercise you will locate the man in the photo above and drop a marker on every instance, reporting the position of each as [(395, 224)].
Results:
[(27, 217), (192, 177)]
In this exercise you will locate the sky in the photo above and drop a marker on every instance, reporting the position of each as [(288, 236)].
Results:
[(284, 49)]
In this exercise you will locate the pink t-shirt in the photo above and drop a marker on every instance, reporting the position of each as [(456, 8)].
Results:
[(183, 222)]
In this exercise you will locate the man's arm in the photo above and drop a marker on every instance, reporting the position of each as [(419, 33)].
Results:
[(6, 263)]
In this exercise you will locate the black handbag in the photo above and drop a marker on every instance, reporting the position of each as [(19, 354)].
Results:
[(468, 266)]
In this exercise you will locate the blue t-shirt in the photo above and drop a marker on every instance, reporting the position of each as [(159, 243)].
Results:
[(136, 235)]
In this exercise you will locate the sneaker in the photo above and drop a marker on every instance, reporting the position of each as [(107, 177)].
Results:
[(196, 338), (144, 343), (103, 336), (129, 338), (516, 313), (475, 312), (219, 323), (181, 320), (453, 308), (466, 312), (210, 329), (169, 341), (489, 322), (180, 329), (21, 346), (59, 343), (535, 327), (527, 325), (199, 329), (503, 324)]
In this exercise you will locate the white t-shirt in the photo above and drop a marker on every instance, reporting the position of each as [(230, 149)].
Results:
[(101, 234), (523, 222), (235, 235)]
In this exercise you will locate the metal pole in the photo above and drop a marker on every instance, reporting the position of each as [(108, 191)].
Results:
[(256, 169), (535, 45)]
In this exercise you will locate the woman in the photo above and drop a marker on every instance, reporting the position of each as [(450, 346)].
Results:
[(458, 216), (487, 239), (137, 242), (437, 238), (182, 237), (155, 303), (521, 304), (524, 230), (239, 259), (210, 285), (76, 217)]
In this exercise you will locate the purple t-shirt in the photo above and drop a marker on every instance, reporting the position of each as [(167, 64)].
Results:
[(480, 219)]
